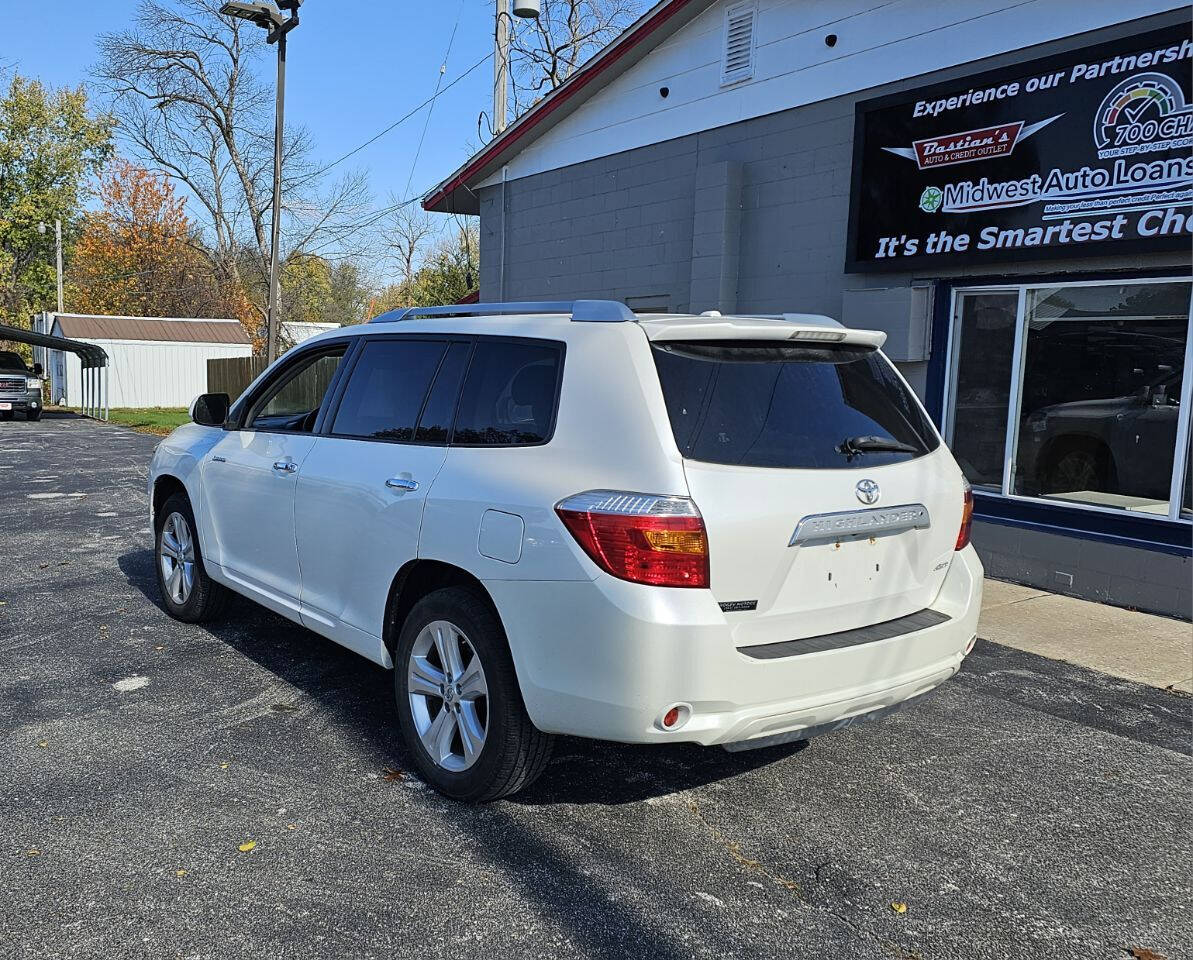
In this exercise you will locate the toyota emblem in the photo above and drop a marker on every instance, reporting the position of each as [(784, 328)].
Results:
[(867, 491)]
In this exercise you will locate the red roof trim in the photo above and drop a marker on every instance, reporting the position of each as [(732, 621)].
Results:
[(578, 82)]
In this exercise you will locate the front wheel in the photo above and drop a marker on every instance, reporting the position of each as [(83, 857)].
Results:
[(33, 414), (187, 592), (460, 709)]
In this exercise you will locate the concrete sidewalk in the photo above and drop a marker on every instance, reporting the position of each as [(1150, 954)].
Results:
[(1123, 643)]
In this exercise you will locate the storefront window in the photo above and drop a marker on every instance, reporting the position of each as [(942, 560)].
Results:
[(986, 345), (1094, 416)]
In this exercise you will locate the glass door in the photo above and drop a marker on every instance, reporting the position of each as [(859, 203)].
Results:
[(983, 351)]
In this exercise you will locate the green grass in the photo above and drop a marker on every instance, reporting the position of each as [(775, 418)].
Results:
[(159, 420)]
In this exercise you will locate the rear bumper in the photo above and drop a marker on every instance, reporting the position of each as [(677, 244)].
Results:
[(606, 659)]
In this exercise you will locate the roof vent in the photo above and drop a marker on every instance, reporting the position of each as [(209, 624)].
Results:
[(739, 43)]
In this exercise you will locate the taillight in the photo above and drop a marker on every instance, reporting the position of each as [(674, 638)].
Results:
[(657, 540), (966, 518)]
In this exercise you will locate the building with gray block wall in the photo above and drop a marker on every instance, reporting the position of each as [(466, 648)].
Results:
[(753, 216)]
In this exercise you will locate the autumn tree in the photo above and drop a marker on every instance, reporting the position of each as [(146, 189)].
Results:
[(139, 254), (50, 144)]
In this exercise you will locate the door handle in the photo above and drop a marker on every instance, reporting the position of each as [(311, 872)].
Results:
[(285, 466), (401, 483)]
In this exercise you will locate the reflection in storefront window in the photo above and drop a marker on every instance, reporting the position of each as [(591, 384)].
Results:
[(1100, 396), (985, 349)]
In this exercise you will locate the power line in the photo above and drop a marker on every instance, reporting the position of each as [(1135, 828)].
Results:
[(431, 109), (430, 100)]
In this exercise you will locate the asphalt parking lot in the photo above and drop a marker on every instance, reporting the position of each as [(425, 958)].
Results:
[(1027, 809)]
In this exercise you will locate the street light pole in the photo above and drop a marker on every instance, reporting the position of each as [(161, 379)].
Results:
[(271, 323), (268, 16)]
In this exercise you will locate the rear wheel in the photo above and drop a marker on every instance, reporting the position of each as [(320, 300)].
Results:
[(187, 592), (459, 706)]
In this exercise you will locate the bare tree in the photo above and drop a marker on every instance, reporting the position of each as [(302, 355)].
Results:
[(183, 89), (545, 51), (408, 229)]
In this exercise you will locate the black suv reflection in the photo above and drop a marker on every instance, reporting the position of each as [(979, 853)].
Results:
[(1119, 445)]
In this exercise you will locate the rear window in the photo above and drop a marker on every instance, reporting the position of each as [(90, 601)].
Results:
[(760, 404), (509, 394)]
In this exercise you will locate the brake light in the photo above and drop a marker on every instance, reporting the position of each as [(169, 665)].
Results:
[(966, 518), (643, 538)]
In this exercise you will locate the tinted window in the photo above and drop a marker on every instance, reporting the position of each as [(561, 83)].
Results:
[(780, 405), (386, 389), (436, 421), (293, 402), (509, 394)]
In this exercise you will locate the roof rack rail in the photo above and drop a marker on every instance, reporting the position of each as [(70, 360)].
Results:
[(590, 311)]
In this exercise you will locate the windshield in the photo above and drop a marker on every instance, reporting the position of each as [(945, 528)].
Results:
[(11, 361), (776, 404)]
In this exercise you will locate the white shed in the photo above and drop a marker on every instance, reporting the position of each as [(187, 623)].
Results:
[(295, 332), (152, 361)]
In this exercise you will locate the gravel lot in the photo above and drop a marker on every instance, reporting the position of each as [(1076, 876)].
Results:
[(1028, 809)]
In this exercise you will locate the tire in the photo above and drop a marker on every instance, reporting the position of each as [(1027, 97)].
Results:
[(204, 600), (1077, 468), (512, 752), (32, 415), (6, 414)]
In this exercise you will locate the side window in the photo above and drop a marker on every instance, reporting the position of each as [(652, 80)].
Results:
[(509, 394), (293, 402), (386, 389), (436, 422)]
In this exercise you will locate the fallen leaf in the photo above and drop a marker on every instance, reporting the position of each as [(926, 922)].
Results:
[(392, 775), (1143, 953), (159, 648), (899, 906), (247, 846), (287, 707), (292, 826), (33, 853), (224, 766), (180, 873), (43, 743)]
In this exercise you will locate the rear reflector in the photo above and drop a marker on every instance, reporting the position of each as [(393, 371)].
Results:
[(966, 518), (643, 538)]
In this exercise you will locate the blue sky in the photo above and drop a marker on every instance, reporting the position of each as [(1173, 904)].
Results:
[(353, 67)]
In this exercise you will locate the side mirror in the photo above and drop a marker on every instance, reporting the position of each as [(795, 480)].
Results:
[(38, 369), (210, 409)]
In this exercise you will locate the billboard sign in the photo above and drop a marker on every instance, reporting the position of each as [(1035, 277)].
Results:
[(1081, 154)]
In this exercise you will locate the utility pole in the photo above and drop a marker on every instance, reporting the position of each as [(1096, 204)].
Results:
[(501, 66), (58, 258), (527, 10), (268, 16), (41, 228)]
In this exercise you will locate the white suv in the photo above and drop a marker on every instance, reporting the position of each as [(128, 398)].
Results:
[(563, 518)]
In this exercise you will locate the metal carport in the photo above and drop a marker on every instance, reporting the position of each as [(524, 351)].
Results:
[(93, 358)]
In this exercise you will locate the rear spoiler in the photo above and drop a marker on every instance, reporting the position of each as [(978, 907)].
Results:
[(800, 327)]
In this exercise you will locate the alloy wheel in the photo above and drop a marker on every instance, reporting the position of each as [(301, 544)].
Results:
[(176, 555), (449, 696)]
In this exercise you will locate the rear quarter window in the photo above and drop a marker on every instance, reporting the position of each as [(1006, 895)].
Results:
[(510, 394), (760, 404)]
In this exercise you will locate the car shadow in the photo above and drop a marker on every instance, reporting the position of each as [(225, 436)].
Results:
[(359, 694)]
